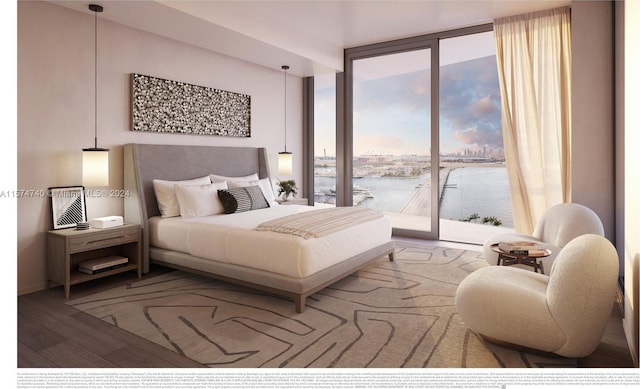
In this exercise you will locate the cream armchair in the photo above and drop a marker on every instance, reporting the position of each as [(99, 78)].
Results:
[(565, 313), (557, 227)]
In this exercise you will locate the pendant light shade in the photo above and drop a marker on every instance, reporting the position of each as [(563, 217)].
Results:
[(285, 158), (285, 163), (95, 167), (95, 161)]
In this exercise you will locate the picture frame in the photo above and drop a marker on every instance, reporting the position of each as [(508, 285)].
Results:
[(68, 206), (167, 106)]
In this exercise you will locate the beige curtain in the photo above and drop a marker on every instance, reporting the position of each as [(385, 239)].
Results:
[(533, 52)]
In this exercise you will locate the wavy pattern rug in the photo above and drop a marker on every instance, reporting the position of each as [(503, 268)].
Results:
[(388, 315)]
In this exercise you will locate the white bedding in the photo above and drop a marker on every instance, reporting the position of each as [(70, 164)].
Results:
[(231, 239)]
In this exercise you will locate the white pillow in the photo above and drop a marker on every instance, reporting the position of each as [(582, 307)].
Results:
[(166, 194), (250, 177), (200, 200), (265, 186)]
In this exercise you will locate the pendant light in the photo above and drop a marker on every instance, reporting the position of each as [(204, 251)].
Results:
[(95, 161), (285, 158)]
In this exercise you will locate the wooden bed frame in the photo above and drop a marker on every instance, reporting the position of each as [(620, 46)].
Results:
[(145, 162)]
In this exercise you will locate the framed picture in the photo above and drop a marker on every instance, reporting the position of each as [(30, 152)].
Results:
[(68, 206), (167, 106)]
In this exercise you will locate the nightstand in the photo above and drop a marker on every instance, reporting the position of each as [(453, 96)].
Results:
[(296, 201), (68, 247)]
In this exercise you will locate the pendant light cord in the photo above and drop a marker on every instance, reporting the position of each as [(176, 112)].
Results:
[(95, 77), (95, 8), (285, 67)]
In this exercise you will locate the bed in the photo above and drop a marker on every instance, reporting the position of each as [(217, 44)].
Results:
[(230, 247)]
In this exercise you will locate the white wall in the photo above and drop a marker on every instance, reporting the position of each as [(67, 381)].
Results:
[(592, 172), (605, 159), (631, 174), (56, 109)]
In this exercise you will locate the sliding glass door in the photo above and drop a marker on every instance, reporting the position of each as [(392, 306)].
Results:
[(393, 139)]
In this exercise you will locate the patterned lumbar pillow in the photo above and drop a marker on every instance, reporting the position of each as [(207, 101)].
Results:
[(264, 184), (242, 199)]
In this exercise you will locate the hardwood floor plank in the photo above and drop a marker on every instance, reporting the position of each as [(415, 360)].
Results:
[(29, 358), (66, 326), (35, 336)]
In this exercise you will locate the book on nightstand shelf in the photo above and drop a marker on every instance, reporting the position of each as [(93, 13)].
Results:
[(83, 270), (102, 264), (521, 248)]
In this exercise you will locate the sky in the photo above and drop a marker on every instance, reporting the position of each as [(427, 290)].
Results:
[(392, 113)]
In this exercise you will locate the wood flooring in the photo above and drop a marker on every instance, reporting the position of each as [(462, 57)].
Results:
[(52, 334)]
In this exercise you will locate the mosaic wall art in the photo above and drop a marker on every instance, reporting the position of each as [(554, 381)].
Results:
[(166, 106)]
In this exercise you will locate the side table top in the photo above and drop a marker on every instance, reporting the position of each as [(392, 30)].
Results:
[(73, 231), (545, 253)]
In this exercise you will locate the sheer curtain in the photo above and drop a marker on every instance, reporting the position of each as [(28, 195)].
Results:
[(533, 52)]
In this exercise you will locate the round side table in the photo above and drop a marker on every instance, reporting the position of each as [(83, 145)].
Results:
[(508, 259)]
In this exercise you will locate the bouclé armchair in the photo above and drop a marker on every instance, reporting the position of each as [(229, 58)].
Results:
[(565, 313)]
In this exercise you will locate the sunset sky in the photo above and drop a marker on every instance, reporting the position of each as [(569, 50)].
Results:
[(392, 112)]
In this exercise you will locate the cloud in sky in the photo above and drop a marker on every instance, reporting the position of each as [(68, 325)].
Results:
[(484, 106), (393, 114), (470, 103)]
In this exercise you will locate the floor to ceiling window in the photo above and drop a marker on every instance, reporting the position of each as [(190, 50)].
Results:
[(400, 105), (391, 133), (392, 136), (475, 189)]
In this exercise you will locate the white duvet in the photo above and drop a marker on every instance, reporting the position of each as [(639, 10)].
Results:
[(231, 239)]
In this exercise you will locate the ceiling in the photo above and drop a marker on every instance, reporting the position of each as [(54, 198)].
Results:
[(307, 35)]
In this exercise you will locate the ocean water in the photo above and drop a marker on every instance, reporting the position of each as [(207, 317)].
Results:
[(481, 190)]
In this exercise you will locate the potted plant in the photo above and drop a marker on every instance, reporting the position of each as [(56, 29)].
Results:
[(287, 188)]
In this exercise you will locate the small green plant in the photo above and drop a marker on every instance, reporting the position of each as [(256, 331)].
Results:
[(471, 218), (492, 220), (475, 217), (288, 187)]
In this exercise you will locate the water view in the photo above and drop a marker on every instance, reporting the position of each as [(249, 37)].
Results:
[(480, 190), (468, 190)]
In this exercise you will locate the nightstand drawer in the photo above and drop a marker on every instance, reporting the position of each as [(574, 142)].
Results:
[(102, 239)]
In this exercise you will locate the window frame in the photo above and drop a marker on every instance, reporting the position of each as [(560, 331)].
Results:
[(344, 119)]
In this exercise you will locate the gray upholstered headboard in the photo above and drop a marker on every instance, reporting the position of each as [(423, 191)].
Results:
[(144, 162)]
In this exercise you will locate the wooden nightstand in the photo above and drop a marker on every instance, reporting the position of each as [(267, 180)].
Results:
[(67, 248), (296, 201)]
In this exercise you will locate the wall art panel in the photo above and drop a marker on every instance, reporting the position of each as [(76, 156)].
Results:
[(165, 106)]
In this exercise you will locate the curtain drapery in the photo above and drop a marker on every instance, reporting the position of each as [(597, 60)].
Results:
[(533, 54)]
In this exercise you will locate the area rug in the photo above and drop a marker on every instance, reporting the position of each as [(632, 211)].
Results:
[(398, 314)]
